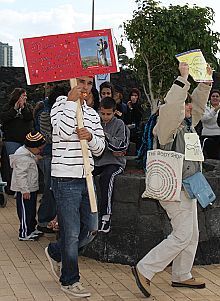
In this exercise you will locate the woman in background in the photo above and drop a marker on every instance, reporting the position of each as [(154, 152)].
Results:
[(17, 120), (211, 131)]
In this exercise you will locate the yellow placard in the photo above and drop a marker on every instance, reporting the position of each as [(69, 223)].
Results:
[(197, 65)]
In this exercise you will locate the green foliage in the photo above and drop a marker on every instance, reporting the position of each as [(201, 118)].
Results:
[(122, 57), (159, 33)]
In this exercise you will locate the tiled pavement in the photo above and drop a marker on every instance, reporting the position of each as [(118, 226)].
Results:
[(25, 273)]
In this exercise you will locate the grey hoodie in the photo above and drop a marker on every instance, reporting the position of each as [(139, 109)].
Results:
[(25, 171), (117, 140)]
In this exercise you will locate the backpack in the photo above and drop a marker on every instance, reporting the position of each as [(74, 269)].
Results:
[(147, 140)]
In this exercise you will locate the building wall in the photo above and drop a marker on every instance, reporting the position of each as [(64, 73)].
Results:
[(6, 55)]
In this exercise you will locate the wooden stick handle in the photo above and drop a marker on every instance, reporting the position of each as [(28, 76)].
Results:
[(85, 153)]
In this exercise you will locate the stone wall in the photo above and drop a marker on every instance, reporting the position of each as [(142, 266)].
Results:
[(140, 224)]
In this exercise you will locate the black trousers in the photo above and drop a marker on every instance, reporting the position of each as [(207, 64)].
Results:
[(106, 182), (211, 147), (26, 210)]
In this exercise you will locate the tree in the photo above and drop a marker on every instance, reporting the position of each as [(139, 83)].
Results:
[(158, 33), (123, 59)]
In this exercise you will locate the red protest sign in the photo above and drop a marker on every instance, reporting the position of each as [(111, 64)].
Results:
[(64, 56)]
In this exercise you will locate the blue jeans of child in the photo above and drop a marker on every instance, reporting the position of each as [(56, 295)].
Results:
[(76, 223)]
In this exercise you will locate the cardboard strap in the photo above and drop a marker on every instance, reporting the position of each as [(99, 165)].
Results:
[(85, 153)]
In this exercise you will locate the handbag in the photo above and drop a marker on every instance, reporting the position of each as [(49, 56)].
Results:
[(198, 188), (163, 175)]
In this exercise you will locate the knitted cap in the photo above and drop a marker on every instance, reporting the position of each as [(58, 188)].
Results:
[(34, 139)]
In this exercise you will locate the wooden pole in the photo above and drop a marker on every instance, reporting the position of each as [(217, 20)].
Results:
[(85, 153)]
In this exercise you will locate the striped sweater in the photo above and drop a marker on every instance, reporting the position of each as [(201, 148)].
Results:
[(67, 160)]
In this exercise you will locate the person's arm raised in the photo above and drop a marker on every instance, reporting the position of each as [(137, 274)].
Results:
[(172, 113)]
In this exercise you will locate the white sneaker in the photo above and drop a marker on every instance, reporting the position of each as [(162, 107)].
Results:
[(31, 237), (37, 232), (55, 266), (76, 289)]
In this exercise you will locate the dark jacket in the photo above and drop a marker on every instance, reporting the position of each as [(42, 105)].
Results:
[(15, 124), (42, 124), (133, 115), (121, 107)]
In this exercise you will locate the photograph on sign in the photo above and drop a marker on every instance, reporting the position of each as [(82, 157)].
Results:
[(94, 51), (65, 56)]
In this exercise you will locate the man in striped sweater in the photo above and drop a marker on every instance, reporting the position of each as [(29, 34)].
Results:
[(77, 223)]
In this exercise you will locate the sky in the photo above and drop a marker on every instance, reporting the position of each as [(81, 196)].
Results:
[(31, 18), (89, 46)]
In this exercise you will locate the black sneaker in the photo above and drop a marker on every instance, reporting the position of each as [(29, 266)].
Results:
[(105, 224), (45, 229)]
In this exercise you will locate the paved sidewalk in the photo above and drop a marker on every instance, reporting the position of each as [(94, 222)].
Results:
[(25, 273)]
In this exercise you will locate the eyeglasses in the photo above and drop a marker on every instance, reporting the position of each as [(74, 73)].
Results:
[(215, 96)]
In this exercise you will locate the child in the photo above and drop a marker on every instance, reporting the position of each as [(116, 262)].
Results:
[(112, 162), (25, 183)]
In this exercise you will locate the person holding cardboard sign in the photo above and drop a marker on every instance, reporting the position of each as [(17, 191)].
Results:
[(175, 131), (77, 224)]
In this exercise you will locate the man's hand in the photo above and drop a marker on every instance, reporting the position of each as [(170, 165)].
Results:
[(84, 134), (184, 70), (26, 195), (118, 113), (74, 94)]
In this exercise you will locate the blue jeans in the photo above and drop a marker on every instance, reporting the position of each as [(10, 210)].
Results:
[(11, 147), (76, 224), (47, 209)]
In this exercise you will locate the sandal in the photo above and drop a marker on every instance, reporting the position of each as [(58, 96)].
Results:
[(52, 224), (56, 227)]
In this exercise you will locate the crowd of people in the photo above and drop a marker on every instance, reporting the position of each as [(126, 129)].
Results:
[(47, 138)]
